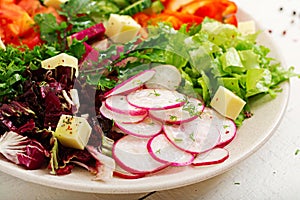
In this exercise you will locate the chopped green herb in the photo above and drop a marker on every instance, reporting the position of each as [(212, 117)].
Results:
[(192, 136), (137, 82), (225, 126), (237, 183), (173, 118), (13, 63), (156, 93), (182, 100), (191, 109), (178, 139), (151, 123), (157, 151), (297, 152)]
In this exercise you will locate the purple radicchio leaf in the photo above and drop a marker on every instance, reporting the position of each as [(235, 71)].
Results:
[(21, 150), (17, 117), (63, 159), (33, 157)]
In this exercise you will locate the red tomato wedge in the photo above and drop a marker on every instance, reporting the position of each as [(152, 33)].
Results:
[(179, 12), (216, 9), (177, 19), (17, 26)]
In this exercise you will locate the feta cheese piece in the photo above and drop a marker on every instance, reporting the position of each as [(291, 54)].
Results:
[(54, 3), (227, 103), (73, 131), (121, 28), (247, 27), (62, 59), (2, 45)]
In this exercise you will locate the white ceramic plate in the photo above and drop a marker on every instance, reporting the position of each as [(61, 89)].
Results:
[(252, 135)]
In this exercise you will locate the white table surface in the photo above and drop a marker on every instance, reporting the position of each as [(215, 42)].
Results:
[(273, 172)]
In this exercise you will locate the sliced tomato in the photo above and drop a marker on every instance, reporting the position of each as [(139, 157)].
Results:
[(231, 20), (7, 1), (31, 6), (176, 19), (142, 19), (185, 17), (16, 19), (31, 40), (17, 26), (215, 9), (175, 5), (178, 12)]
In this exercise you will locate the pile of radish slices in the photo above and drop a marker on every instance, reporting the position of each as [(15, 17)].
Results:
[(163, 127)]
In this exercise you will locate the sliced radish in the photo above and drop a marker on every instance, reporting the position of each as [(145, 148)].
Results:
[(187, 112), (196, 136), (162, 150), (146, 128), (132, 83), (225, 125), (131, 154), (214, 156), (166, 76), (119, 104), (156, 99), (120, 117), (121, 173)]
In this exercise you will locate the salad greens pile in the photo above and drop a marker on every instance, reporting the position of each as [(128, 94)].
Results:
[(207, 56)]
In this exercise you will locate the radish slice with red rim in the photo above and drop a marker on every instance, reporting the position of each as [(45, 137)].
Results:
[(132, 83), (120, 117), (196, 136), (225, 125), (121, 173), (156, 99), (214, 156), (166, 76), (187, 112), (119, 104), (162, 150), (146, 128), (132, 155)]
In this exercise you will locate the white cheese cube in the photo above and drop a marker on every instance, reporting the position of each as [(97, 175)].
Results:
[(121, 28), (227, 103), (2, 45), (54, 3), (73, 131), (62, 59), (246, 27)]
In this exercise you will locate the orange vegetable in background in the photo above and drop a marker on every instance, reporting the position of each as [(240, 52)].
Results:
[(216, 9), (15, 19), (178, 12), (17, 26), (177, 19)]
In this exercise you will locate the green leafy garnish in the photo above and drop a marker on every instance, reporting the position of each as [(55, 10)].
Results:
[(178, 140), (173, 118), (192, 136), (13, 64)]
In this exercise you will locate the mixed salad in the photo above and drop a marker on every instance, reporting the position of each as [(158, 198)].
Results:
[(127, 87)]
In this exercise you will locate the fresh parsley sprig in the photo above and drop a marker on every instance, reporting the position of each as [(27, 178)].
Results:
[(13, 63)]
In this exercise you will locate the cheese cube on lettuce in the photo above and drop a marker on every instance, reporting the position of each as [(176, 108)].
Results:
[(73, 131), (227, 103)]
